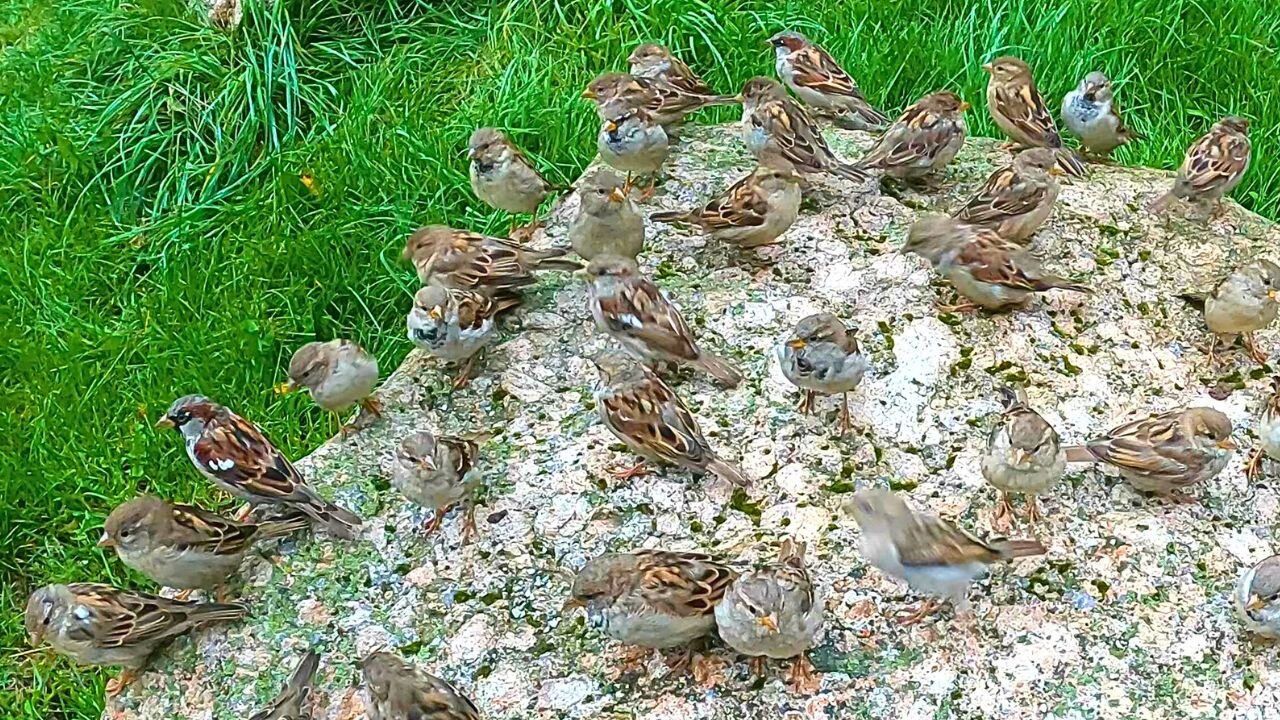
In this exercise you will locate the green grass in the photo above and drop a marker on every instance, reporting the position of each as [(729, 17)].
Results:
[(158, 241)]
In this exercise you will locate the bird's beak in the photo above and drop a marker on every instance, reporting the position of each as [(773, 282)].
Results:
[(987, 67), (616, 195), (768, 623), (632, 58), (571, 604), (285, 387), (610, 126), (796, 343), (472, 152), (589, 94), (425, 463), (164, 422), (105, 541), (1274, 294), (1255, 603), (1227, 444), (738, 98), (1056, 171), (35, 637), (964, 106)]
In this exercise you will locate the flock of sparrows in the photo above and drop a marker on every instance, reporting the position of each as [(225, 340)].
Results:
[(673, 600)]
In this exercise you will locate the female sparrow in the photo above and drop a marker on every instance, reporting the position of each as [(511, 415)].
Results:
[(646, 414), (1016, 200), (436, 473), (630, 141), (1213, 167), (923, 140), (236, 456), (929, 554), (818, 79), (772, 121), (655, 62), (774, 612), (629, 308), (183, 546), (1164, 453), (1019, 111), (666, 103), (754, 211), (293, 702), (337, 374), (1268, 433), (1091, 113), (399, 691), (1024, 455), (1258, 598), (985, 269), (822, 356), (653, 598), (101, 625), (1244, 302), (607, 222), (454, 325), (501, 176), (465, 260)]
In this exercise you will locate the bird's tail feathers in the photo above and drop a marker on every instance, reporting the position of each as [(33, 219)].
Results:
[(1018, 548), (727, 471), (720, 369)]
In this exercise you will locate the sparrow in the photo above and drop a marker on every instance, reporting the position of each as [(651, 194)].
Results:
[(455, 325), (1164, 453), (1213, 166), (1019, 111), (1245, 301), (399, 691), (775, 612), (293, 702), (646, 414), (629, 307), (1091, 113), (666, 103), (607, 222), (928, 553), (183, 546), (986, 270), (1024, 455), (754, 211), (822, 356), (337, 374), (816, 77), (923, 140), (1258, 598), (630, 141), (1268, 432), (236, 456), (95, 624), (502, 177), (653, 598), (651, 61), (772, 121), (436, 473), (465, 260), (1016, 200)]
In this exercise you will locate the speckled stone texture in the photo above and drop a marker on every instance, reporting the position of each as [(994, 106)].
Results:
[(1126, 616)]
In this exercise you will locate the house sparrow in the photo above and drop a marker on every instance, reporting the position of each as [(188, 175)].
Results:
[(399, 691), (816, 77), (630, 141), (653, 598), (629, 308), (774, 612), (501, 176), (665, 102), (1244, 302), (1016, 200), (646, 414), (929, 554), (822, 356), (465, 260), (293, 702), (1024, 455), (235, 455), (923, 140), (96, 624), (437, 472), (754, 211), (1213, 166), (607, 222), (985, 269), (655, 62), (1258, 598), (1019, 111), (454, 325), (772, 121), (1091, 113), (183, 546), (1164, 453), (1268, 433), (337, 374)]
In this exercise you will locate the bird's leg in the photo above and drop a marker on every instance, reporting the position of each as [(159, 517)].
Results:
[(1033, 510), (221, 593), (626, 186), (469, 531), (243, 514), (116, 685), (757, 664), (436, 518), (648, 192), (640, 469), (1254, 466), (464, 373), (1212, 351), (806, 402), (1249, 344), (802, 678), (1010, 146), (928, 606), (961, 306), (524, 233), (372, 405), (845, 423), (183, 595), (1001, 519), (1178, 498), (632, 659)]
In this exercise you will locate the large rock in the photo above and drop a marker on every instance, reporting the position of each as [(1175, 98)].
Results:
[(1127, 615)]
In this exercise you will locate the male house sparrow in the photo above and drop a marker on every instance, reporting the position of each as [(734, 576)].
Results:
[(653, 598), (337, 374), (754, 211), (1213, 167), (985, 269), (1024, 455), (437, 472), (666, 103), (655, 62), (501, 176), (929, 554), (923, 140), (1268, 432), (772, 121), (1019, 111), (630, 141), (1091, 113), (1164, 453), (97, 624), (236, 456), (774, 612), (607, 222), (465, 260), (294, 700), (646, 414), (816, 77), (399, 691), (183, 546), (1245, 301), (454, 325), (1258, 598), (822, 356), (630, 308), (1016, 200)]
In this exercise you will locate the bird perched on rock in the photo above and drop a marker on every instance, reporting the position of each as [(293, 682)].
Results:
[(923, 141), (1024, 455), (655, 62), (438, 472), (1164, 453), (1242, 303), (607, 222), (1268, 432), (502, 177), (95, 624), (772, 121), (465, 260), (816, 78), (455, 325), (754, 211), (666, 103), (1213, 167), (293, 702), (632, 142), (337, 374), (775, 612), (399, 691), (1258, 598), (1016, 200), (1019, 111), (822, 356), (237, 457), (1090, 112)]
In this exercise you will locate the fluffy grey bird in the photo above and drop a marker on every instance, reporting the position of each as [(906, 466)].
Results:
[(1024, 455), (822, 356), (1257, 598), (501, 176), (1091, 113), (607, 222), (437, 472), (337, 374)]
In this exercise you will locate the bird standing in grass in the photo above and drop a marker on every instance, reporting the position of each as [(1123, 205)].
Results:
[(502, 177), (337, 374)]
